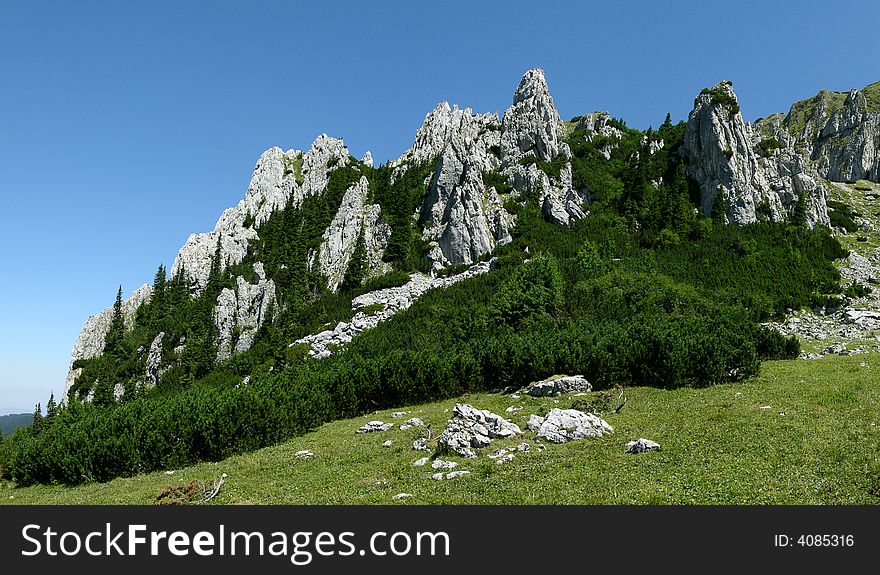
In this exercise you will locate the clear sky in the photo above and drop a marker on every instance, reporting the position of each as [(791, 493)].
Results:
[(126, 126)]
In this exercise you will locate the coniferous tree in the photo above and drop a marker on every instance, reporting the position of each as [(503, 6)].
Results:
[(37, 425), (51, 410), (159, 299), (104, 393), (358, 267), (113, 340)]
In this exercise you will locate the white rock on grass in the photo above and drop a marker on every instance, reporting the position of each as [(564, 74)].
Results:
[(303, 454), (558, 385), (505, 459), (411, 422), (387, 443), (421, 462), (451, 475), (641, 445), (444, 464), (400, 496), (421, 444), (474, 428), (372, 426), (562, 425)]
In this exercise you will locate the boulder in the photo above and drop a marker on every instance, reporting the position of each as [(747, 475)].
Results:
[(474, 428), (562, 425), (558, 385), (641, 445)]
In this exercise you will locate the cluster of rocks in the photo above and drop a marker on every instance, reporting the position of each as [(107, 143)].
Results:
[(857, 320), (558, 385), (377, 306), (472, 428), (562, 425)]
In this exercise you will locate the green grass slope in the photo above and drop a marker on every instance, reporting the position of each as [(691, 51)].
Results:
[(720, 445)]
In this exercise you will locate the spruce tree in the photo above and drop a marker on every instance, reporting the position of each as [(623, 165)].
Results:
[(159, 300), (51, 410), (37, 424), (113, 340), (358, 267)]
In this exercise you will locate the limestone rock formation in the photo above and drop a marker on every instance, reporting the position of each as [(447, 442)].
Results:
[(355, 218), (474, 428), (239, 313), (599, 124), (533, 132), (839, 132), (154, 362), (278, 177), (90, 342), (558, 385), (722, 158), (562, 425)]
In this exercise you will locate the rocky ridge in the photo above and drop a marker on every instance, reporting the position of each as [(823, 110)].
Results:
[(375, 307), (463, 217), (278, 178), (724, 156), (90, 341)]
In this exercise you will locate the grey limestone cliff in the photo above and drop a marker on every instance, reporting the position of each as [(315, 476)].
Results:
[(239, 313), (90, 341), (355, 218), (724, 157)]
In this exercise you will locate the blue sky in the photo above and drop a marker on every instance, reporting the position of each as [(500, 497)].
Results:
[(126, 126)]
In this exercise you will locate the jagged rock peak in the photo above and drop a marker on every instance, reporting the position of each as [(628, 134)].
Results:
[(531, 126), (438, 129), (90, 341), (722, 159), (277, 178)]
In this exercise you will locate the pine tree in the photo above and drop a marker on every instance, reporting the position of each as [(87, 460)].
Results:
[(113, 341), (51, 410), (37, 425), (358, 267), (104, 393), (159, 299)]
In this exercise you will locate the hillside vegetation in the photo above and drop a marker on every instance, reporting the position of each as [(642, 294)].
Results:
[(801, 432), (642, 293)]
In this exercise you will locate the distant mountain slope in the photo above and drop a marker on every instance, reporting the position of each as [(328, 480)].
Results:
[(9, 423)]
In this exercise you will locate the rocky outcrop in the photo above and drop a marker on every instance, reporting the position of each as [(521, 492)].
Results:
[(599, 125), (355, 219), (558, 385), (90, 342), (562, 425), (279, 177), (377, 306), (839, 132), (460, 215), (723, 157), (474, 428), (154, 362), (241, 312), (532, 135)]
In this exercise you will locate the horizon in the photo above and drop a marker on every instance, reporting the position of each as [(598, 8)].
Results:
[(127, 128)]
